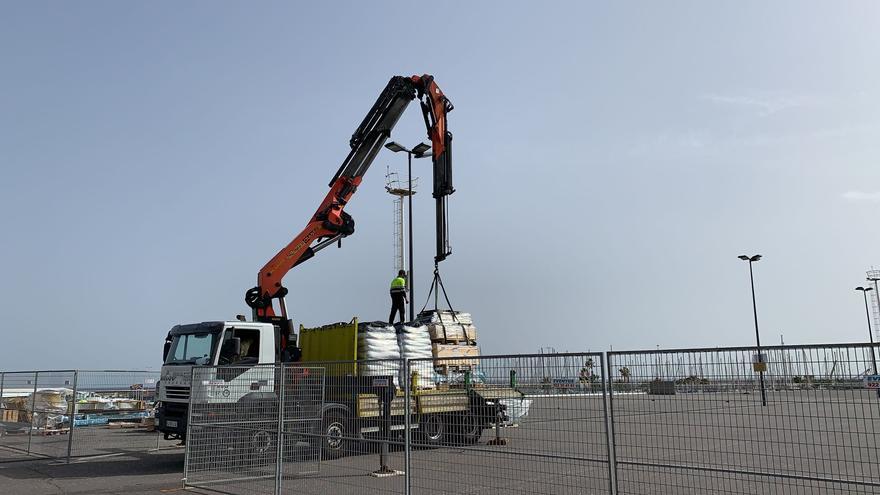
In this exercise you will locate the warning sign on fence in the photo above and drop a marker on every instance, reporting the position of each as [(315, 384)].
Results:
[(872, 381)]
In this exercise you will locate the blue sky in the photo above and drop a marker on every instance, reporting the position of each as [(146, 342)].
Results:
[(611, 161)]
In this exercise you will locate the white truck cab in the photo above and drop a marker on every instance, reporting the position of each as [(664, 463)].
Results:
[(239, 344)]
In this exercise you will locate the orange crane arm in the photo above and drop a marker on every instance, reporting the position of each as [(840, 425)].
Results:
[(331, 223)]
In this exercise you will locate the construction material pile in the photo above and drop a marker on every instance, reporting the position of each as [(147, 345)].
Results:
[(49, 409), (377, 350), (44, 409), (453, 337), (438, 343)]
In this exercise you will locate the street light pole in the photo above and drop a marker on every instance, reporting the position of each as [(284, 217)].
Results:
[(761, 364), (411, 282), (419, 151), (864, 291)]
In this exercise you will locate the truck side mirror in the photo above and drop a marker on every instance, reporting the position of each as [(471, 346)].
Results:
[(165, 351), (231, 348)]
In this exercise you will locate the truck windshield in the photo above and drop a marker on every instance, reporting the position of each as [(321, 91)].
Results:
[(192, 348)]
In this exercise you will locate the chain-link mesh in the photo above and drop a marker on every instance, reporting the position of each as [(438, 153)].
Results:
[(695, 421)]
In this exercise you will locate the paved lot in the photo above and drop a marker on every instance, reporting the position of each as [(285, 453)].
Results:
[(683, 444), (134, 474)]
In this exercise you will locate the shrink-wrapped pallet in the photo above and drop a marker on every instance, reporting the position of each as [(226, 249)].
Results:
[(446, 317), (378, 341), (415, 343), (450, 327), (452, 332)]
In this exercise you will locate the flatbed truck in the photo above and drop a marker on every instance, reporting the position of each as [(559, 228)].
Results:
[(353, 406)]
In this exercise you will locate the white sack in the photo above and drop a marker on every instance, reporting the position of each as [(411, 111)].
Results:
[(378, 341), (415, 343)]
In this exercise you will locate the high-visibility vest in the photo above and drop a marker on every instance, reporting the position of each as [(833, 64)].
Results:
[(398, 285)]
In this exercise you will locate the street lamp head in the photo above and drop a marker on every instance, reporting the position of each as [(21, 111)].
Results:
[(860, 288), (420, 149), (755, 257), (743, 257), (393, 146), (865, 289)]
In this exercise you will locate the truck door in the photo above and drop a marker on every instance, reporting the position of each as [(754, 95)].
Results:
[(248, 352)]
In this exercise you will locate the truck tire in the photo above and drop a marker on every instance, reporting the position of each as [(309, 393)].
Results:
[(434, 430), (468, 429), (335, 440), (262, 443)]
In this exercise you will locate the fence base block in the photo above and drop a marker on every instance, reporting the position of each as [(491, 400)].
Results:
[(386, 472)]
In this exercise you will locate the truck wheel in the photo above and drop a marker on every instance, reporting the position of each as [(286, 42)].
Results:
[(468, 429), (434, 430), (262, 443), (335, 440)]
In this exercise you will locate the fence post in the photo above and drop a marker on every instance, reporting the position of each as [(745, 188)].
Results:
[(33, 413), (72, 415), (613, 481), (407, 423), (189, 415), (279, 443), (159, 435)]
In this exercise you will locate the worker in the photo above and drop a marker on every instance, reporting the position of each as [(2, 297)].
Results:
[(398, 296)]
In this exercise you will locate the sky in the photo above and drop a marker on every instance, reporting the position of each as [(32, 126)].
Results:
[(611, 161)]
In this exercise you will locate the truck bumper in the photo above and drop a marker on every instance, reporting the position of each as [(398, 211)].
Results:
[(171, 418)]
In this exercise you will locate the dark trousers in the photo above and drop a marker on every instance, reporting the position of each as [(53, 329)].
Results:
[(398, 304)]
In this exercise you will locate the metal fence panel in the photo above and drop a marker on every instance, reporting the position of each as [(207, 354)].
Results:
[(231, 443), (517, 424), (64, 414), (302, 399), (529, 424), (251, 427), (51, 409), (693, 421), (360, 436), (16, 414), (114, 413)]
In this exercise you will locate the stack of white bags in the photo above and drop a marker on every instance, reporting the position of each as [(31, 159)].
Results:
[(378, 341), (415, 343)]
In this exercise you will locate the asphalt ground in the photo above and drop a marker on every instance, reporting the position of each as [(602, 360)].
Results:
[(682, 444)]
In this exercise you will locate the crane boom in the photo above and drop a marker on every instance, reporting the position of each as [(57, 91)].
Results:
[(330, 223)]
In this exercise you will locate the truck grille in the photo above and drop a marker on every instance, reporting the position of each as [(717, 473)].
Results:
[(177, 393)]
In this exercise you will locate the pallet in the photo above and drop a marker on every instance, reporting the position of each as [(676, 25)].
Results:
[(465, 342), (445, 368), (123, 425), (453, 332), (53, 431)]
